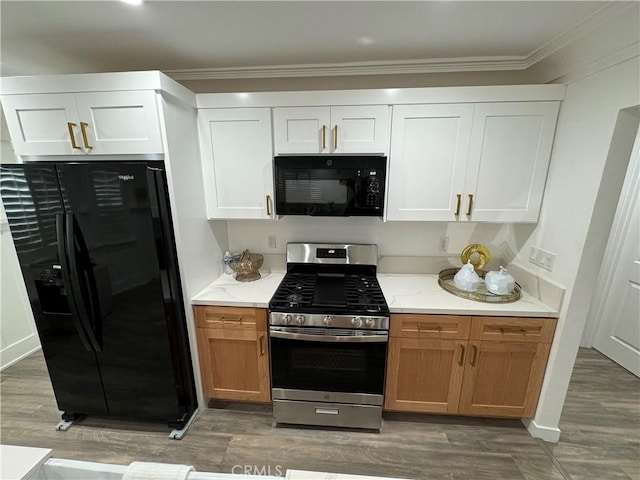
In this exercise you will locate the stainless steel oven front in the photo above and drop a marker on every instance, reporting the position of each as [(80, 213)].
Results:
[(328, 375)]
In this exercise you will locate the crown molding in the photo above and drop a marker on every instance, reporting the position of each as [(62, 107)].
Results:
[(473, 64), (598, 17), (414, 66)]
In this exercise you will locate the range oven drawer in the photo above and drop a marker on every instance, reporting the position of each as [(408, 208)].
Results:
[(327, 414)]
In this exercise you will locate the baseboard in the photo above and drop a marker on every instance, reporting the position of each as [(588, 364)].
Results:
[(548, 434), (17, 351)]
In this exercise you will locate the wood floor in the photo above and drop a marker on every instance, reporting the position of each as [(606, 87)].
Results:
[(600, 436)]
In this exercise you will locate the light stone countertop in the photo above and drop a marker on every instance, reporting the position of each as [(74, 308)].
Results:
[(405, 293), (411, 293), (226, 291)]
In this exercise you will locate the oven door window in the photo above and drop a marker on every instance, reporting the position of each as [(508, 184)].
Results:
[(315, 191), (328, 367)]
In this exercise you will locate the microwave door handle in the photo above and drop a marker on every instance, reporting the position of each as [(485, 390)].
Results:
[(382, 338)]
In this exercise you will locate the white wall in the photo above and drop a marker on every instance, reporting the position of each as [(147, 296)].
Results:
[(18, 336), (394, 239), (583, 136)]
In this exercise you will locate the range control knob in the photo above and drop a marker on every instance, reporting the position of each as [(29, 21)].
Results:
[(356, 322), (299, 319), (285, 320), (370, 322), (328, 320)]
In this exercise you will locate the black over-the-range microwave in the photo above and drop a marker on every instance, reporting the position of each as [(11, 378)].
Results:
[(330, 185)]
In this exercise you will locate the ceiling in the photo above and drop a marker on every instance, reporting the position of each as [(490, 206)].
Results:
[(213, 39)]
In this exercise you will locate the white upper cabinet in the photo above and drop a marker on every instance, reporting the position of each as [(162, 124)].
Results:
[(237, 162), (120, 122), (346, 129), (428, 161), (508, 160), (482, 162)]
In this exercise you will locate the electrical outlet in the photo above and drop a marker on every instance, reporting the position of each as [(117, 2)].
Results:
[(542, 258), (533, 255), (444, 244), (271, 241)]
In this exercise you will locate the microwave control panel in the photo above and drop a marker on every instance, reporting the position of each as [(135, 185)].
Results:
[(372, 193)]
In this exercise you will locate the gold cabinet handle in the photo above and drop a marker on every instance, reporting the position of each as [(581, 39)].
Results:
[(324, 137), (262, 345), (458, 200), (335, 137), (74, 145), (268, 200), (235, 318), (461, 359), (516, 330), (436, 329), (470, 204), (83, 129), (474, 355)]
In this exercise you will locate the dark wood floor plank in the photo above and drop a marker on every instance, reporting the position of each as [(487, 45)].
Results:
[(600, 435)]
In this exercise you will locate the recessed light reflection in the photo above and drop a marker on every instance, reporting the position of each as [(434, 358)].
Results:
[(365, 40), (133, 2)]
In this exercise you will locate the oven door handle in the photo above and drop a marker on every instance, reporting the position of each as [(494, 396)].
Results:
[(383, 338)]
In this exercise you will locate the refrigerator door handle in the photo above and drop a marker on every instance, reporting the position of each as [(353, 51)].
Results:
[(93, 305), (71, 297), (84, 313)]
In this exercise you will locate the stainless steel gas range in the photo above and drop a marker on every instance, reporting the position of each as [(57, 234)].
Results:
[(328, 328)]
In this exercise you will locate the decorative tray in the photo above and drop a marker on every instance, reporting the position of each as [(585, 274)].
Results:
[(445, 280)]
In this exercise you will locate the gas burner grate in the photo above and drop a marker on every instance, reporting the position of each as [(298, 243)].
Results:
[(364, 292), (295, 290)]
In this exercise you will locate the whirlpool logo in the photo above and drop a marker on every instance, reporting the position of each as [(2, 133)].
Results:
[(126, 178)]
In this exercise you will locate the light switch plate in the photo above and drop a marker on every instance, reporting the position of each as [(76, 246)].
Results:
[(542, 258)]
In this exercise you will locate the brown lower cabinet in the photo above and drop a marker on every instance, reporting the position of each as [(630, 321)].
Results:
[(233, 348), (481, 366)]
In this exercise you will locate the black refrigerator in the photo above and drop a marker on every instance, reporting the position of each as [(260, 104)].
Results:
[(96, 248)]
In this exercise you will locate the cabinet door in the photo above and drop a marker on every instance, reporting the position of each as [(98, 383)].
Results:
[(503, 379), (234, 364), (427, 161), (508, 160), (360, 129), (40, 124), (119, 122), (424, 375), (302, 130), (237, 162)]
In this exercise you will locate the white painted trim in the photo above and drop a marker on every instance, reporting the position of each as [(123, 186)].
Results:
[(18, 350), (96, 82), (580, 30), (385, 96), (548, 434), (604, 63), (611, 257), (390, 67)]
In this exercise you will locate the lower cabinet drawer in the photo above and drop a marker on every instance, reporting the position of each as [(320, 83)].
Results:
[(513, 329), (430, 326), (231, 317)]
